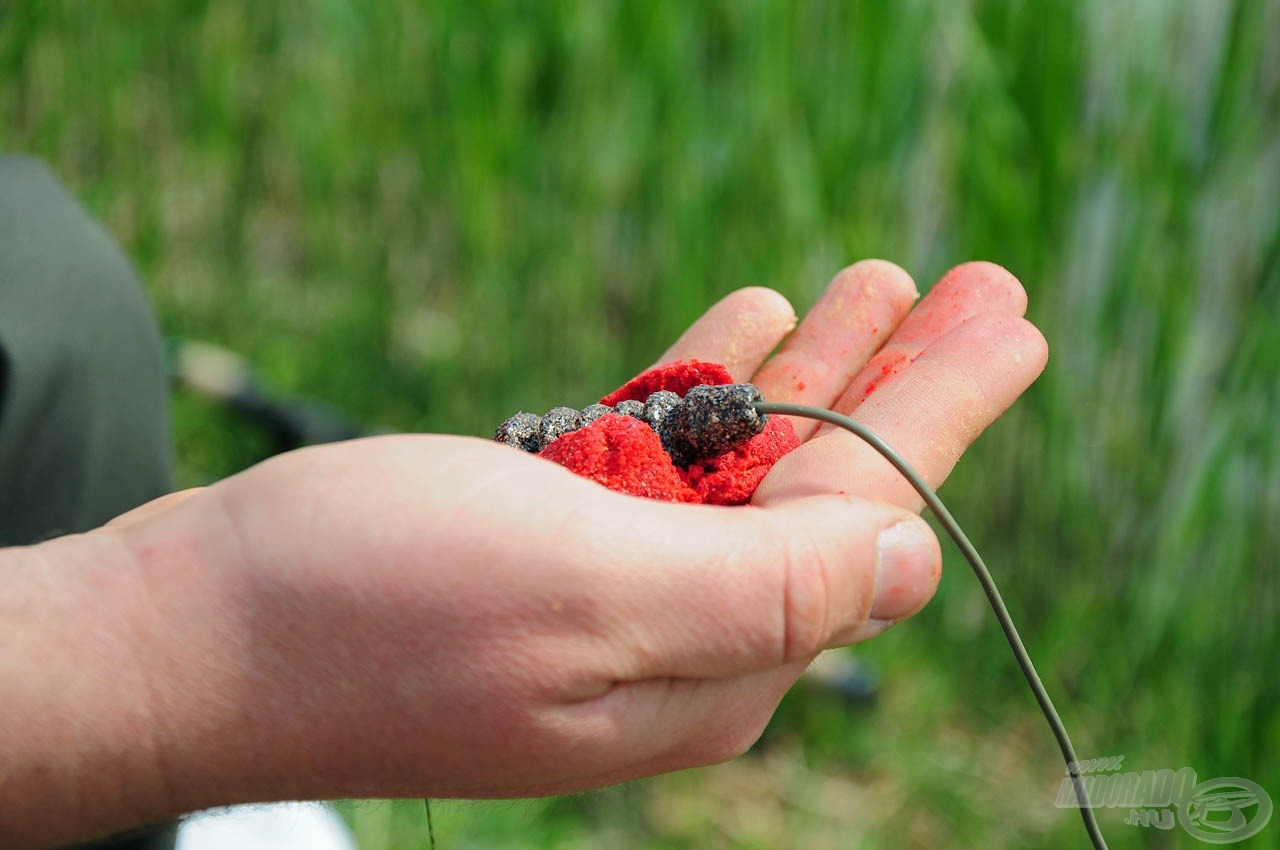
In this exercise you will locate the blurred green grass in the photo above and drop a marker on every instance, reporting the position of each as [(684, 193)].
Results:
[(430, 215)]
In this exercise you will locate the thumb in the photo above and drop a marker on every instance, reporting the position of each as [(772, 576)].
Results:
[(755, 588)]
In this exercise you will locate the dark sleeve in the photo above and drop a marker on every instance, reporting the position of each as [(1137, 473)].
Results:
[(83, 397)]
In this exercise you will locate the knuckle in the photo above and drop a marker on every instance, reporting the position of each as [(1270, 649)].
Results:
[(806, 616)]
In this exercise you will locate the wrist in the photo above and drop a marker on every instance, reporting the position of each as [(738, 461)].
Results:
[(122, 675), (82, 755), (226, 640), (190, 644)]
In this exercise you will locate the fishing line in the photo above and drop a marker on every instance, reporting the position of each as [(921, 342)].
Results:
[(984, 578), (431, 830)]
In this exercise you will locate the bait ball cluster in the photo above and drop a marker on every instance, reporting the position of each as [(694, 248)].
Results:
[(710, 420)]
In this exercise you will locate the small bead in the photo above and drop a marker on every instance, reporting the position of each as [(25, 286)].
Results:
[(520, 432), (557, 421), (659, 407), (634, 409), (591, 413)]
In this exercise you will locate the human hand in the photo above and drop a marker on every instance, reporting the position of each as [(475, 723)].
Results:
[(489, 625), (424, 615)]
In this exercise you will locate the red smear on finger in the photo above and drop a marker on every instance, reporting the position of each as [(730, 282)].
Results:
[(882, 367), (626, 455)]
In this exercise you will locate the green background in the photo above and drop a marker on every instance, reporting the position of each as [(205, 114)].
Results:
[(431, 215)]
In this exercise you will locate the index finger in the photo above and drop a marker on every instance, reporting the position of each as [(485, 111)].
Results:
[(738, 331)]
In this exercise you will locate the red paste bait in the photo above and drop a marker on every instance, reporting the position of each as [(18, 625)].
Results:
[(678, 377), (623, 454)]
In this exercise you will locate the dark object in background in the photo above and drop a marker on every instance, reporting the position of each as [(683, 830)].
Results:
[(844, 674), (227, 378), (84, 427)]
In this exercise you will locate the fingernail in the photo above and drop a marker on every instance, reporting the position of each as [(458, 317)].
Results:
[(866, 631), (907, 555)]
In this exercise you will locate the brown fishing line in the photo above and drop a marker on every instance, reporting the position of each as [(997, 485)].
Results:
[(984, 578)]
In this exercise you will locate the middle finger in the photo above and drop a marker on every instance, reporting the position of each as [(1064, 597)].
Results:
[(852, 319)]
